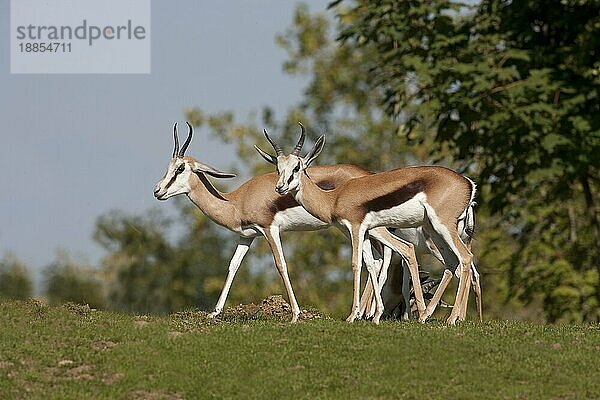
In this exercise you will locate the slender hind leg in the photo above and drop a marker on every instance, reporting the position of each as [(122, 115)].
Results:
[(446, 278), (407, 251), (475, 280), (460, 306), (465, 297), (454, 252)]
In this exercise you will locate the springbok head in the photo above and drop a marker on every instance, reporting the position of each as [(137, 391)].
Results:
[(182, 169), (291, 166)]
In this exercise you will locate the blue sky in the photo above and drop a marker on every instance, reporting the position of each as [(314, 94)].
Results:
[(76, 146)]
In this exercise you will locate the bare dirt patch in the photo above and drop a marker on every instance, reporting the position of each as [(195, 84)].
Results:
[(79, 309), (193, 321), (271, 307)]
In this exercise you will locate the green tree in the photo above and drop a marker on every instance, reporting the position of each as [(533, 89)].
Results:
[(69, 281), (511, 88), (15, 279)]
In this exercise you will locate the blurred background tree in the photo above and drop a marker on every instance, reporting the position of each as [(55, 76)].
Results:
[(15, 279), (69, 281), (156, 264)]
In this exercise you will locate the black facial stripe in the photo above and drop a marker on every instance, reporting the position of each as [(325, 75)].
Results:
[(171, 182)]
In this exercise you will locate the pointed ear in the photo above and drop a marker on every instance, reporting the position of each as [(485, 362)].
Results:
[(315, 151), (271, 159), (207, 169)]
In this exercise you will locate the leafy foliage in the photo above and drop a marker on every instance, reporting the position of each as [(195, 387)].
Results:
[(511, 88), (153, 268)]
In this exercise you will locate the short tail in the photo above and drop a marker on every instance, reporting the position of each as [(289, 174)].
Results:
[(466, 221)]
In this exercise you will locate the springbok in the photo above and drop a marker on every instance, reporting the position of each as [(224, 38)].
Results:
[(255, 209), (434, 198)]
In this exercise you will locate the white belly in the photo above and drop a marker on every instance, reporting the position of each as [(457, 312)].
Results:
[(409, 214), (297, 219)]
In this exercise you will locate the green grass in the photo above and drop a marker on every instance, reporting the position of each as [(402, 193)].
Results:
[(76, 353)]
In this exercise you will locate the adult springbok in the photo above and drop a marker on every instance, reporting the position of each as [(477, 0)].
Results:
[(255, 209), (434, 198)]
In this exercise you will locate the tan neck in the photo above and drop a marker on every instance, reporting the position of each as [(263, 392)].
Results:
[(315, 200), (213, 203)]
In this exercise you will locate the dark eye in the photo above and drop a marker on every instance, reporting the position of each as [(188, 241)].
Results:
[(181, 168), (296, 168)]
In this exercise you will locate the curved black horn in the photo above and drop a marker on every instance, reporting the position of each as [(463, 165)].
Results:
[(187, 141), (300, 143), (176, 149), (276, 147)]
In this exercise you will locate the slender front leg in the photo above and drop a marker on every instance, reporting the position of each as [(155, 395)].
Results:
[(272, 236), (240, 251), (357, 239)]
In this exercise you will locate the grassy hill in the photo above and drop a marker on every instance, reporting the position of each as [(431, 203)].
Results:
[(72, 352)]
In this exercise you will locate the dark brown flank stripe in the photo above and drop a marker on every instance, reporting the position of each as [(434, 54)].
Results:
[(282, 203), (326, 185), (394, 198)]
